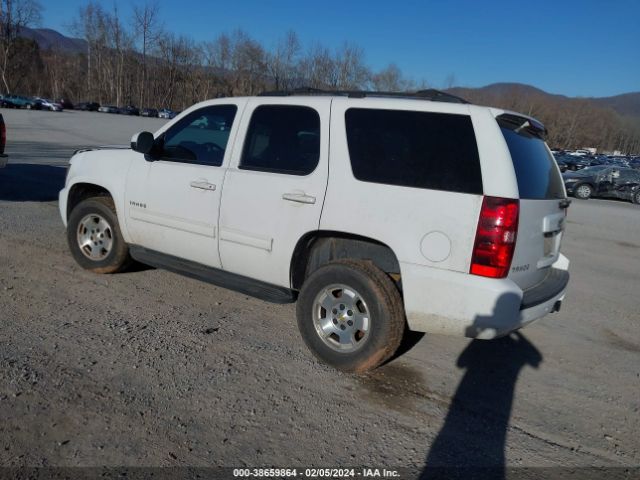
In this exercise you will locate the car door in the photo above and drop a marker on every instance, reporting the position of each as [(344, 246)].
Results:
[(275, 186), (604, 183), (626, 181), (173, 195)]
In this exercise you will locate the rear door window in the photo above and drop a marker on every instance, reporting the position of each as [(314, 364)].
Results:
[(282, 139), (414, 149), (536, 171)]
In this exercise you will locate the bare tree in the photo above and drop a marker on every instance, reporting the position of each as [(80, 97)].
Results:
[(391, 79), (282, 63), (15, 15), (352, 73), (146, 26), (91, 25)]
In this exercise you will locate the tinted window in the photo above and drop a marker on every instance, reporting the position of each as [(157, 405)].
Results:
[(282, 139), (536, 171), (414, 149), (201, 137)]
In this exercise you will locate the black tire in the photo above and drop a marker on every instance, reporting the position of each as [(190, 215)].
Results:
[(117, 259), (583, 191), (635, 197), (384, 308)]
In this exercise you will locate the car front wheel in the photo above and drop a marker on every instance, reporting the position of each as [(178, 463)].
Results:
[(350, 315), (635, 197), (94, 236)]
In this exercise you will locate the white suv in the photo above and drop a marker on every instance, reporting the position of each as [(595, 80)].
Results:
[(377, 212)]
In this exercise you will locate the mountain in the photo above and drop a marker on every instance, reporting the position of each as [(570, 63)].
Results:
[(627, 104), (47, 38)]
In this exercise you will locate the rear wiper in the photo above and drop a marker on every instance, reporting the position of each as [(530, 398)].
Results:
[(526, 124)]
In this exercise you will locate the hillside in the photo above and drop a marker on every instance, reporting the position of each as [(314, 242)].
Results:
[(627, 104), (47, 39)]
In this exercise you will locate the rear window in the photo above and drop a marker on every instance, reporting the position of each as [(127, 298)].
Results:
[(414, 149), (536, 171)]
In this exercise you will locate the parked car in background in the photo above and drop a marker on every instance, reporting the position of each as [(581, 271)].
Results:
[(3, 141), (88, 106), (618, 161), (66, 104), (166, 113), (46, 104), (562, 165), (35, 104), (6, 102), (19, 101), (604, 181), (576, 163), (109, 109), (149, 112), (130, 110)]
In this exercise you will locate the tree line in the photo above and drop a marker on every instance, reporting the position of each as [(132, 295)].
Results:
[(131, 58)]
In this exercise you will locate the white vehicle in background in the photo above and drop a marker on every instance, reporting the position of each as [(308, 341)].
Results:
[(166, 113), (580, 153), (376, 212)]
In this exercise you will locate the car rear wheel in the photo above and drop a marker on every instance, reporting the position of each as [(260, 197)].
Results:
[(635, 197), (350, 315), (583, 191), (94, 236)]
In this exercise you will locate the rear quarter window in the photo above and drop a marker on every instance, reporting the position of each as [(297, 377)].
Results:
[(414, 149), (536, 171)]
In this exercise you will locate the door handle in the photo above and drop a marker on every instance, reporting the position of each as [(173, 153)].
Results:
[(299, 198), (203, 185)]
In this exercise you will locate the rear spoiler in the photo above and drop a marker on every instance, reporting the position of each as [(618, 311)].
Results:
[(520, 124)]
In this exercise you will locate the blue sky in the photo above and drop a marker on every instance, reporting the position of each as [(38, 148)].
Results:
[(570, 47)]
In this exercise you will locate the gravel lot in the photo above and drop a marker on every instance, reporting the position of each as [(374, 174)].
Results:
[(148, 368)]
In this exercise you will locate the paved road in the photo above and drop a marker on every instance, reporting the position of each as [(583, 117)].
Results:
[(149, 368)]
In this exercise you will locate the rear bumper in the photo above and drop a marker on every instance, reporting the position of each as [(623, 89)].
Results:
[(453, 303)]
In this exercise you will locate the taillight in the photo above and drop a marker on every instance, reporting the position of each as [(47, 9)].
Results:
[(495, 237)]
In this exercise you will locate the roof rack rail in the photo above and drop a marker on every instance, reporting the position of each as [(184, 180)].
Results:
[(429, 94)]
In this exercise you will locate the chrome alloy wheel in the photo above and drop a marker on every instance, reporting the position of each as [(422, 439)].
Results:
[(341, 318), (584, 191), (95, 237)]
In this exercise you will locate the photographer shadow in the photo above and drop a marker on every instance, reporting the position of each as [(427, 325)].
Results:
[(471, 443)]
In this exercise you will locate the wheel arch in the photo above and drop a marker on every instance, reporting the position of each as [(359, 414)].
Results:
[(83, 190), (320, 247)]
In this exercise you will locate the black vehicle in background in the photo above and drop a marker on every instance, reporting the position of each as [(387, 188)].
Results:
[(149, 112), (604, 181), (130, 110), (35, 104), (3, 141), (576, 163), (88, 106), (66, 104)]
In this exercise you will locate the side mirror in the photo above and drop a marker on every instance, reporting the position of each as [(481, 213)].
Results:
[(142, 142)]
